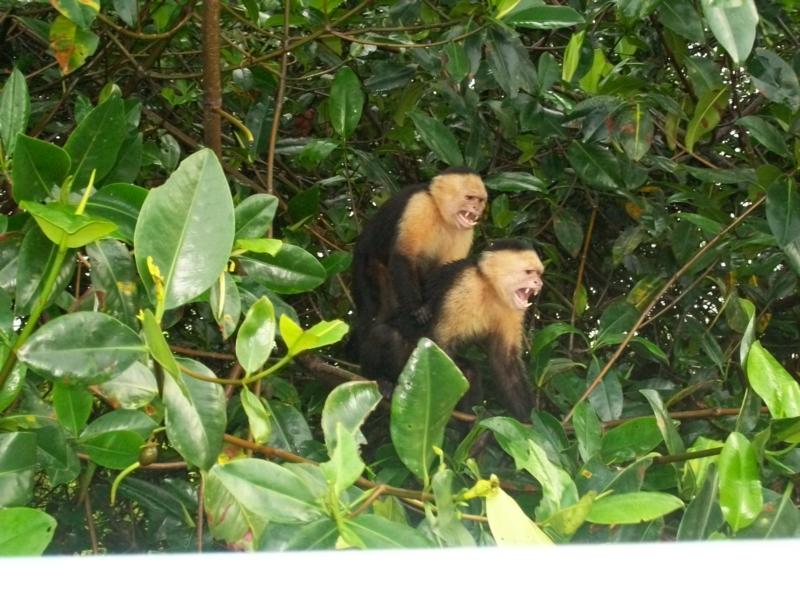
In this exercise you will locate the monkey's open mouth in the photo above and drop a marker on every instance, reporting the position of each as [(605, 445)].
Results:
[(521, 298), (468, 218)]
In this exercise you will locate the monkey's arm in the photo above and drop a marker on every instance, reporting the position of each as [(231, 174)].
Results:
[(408, 288), (510, 377)]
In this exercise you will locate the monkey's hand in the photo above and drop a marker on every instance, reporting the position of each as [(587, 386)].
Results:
[(422, 315)]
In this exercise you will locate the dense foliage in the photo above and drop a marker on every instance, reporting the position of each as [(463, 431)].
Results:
[(171, 375)]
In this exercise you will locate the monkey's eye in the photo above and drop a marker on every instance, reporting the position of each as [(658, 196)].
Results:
[(530, 271)]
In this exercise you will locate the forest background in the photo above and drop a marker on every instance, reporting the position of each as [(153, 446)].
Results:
[(181, 185)]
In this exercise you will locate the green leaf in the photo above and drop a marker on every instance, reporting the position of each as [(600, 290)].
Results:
[(36, 257), (631, 439), (61, 225), (187, 225), (703, 515), (348, 405), (426, 394), (226, 304), (636, 507), (775, 78), (120, 420), (374, 532), (681, 17), (509, 525), (322, 334), (587, 431), (80, 12), (112, 449), (515, 182), (568, 231), (257, 416), (317, 535), (39, 169), (558, 489), (439, 138), (15, 110), (195, 416), (635, 130), (733, 23), (85, 346), (665, 425), (739, 486), (346, 102), (114, 275), (256, 338), (345, 465), (119, 203), (636, 9), (25, 531), (266, 490), (70, 44), (17, 467), (57, 455), (457, 61), (776, 387), (73, 405), (259, 246), (158, 347), (95, 143), (503, 59), (783, 210), (572, 55), (606, 398), (134, 388), (543, 17), (765, 134), (707, 114), (594, 165), (254, 215), (447, 523), (292, 270)]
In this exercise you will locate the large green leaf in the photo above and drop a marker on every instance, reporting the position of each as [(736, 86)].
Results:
[(292, 270), (765, 133), (436, 136), (298, 340), (703, 515), (254, 215), (636, 507), (375, 532), (606, 398), (509, 525), (594, 165), (17, 467), (349, 405), (39, 169), (95, 143), (681, 17), (88, 347), (783, 210), (778, 389), (775, 78), (15, 110), (114, 275), (187, 225), (195, 416), (426, 394), (73, 405), (25, 531), (631, 439), (135, 387), (346, 102), (733, 23), (739, 486), (119, 203)]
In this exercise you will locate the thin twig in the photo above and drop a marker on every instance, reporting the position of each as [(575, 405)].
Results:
[(278, 104), (579, 278)]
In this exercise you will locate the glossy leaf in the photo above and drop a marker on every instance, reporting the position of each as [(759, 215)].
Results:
[(85, 346), (61, 225), (25, 531), (292, 270), (195, 416), (665, 425), (254, 215), (73, 406), (436, 136), (134, 388), (631, 439), (80, 12), (572, 55), (348, 405), (703, 515), (426, 394), (119, 203), (635, 131), (15, 110), (374, 532), (733, 23), (587, 430), (345, 465), (346, 102), (783, 210), (39, 169), (779, 390), (775, 78), (317, 535), (95, 143), (112, 449), (256, 338), (322, 334), (515, 181), (158, 347), (681, 17), (636, 507), (765, 134), (707, 114), (544, 17), (17, 468), (226, 304), (739, 487), (187, 225), (606, 398), (594, 165)]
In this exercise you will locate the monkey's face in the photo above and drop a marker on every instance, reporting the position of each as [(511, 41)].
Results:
[(461, 198), (515, 274)]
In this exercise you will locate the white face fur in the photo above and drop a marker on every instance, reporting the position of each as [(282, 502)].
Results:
[(461, 198), (516, 275)]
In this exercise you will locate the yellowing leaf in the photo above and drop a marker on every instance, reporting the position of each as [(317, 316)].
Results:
[(509, 524)]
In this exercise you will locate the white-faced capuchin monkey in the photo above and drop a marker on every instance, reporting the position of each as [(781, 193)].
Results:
[(420, 228), (481, 299)]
